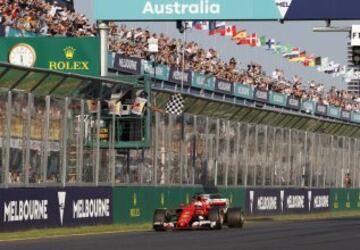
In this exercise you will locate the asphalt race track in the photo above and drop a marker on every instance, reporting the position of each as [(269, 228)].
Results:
[(343, 234)]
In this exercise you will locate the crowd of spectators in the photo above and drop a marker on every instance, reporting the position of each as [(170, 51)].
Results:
[(42, 17), (55, 20), (134, 43)]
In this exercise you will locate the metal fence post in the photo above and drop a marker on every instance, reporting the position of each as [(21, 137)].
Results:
[(80, 161), (256, 154), (64, 142), (97, 152), (290, 161), (246, 156), (227, 150), (237, 157), (45, 150), (217, 151), (266, 163), (155, 137), (8, 139), (28, 139)]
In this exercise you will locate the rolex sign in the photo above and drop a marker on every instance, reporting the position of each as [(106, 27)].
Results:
[(71, 55)]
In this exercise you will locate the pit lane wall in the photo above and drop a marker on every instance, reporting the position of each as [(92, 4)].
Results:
[(29, 208)]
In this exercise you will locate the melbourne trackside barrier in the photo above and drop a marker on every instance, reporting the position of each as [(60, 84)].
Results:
[(286, 201), (345, 199), (54, 207), (137, 204)]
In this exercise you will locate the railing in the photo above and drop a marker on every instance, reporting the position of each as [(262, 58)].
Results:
[(211, 84)]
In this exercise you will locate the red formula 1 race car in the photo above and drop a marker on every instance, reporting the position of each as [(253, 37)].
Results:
[(206, 211)]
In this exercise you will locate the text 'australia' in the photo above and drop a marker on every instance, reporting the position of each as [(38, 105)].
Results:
[(202, 7)]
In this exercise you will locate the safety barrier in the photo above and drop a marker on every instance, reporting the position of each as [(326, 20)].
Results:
[(28, 208), (136, 204)]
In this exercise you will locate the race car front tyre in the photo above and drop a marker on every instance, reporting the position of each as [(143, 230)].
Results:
[(215, 218), (160, 217), (235, 217)]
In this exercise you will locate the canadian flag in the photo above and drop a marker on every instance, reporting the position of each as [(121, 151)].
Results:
[(230, 31)]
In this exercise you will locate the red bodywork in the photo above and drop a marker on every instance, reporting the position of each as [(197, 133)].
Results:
[(198, 208)]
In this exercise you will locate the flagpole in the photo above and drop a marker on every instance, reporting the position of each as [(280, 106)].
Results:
[(183, 62)]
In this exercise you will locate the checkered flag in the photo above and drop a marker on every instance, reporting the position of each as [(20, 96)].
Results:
[(175, 105)]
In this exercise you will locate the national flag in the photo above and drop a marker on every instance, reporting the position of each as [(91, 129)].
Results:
[(240, 35), (300, 58), (293, 53), (340, 71), (252, 40), (318, 61), (114, 107), (230, 31), (138, 106), (323, 64), (278, 48), (201, 25), (286, 49), (188, 24), (216, 28), (309, 61), (349, 75), (262, 41), (270, 44), (331, 68)]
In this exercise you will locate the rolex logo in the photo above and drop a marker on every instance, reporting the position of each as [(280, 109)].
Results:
[(69, 52)]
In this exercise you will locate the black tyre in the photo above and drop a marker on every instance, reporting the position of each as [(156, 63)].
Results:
[(235, 217), (215, 216), (160, 217)]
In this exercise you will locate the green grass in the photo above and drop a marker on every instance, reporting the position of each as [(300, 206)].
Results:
[(66, 232), (63, 232)]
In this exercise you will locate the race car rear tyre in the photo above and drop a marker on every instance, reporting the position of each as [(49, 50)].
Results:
[(160, 217), (215, 216), (235, 217)]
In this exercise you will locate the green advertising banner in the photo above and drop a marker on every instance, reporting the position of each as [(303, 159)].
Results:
[(72, 55), (334, 112), (161, 72), (355, 117), (244, 91), (278, 99), (186, 10), (344, 199), (203, 81), (308, 106), (132, 205)]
